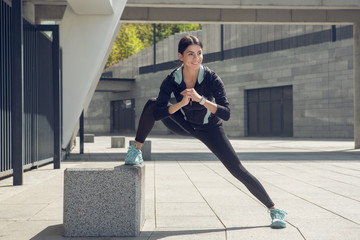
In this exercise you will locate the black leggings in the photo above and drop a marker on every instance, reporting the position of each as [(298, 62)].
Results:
[(214, 138)]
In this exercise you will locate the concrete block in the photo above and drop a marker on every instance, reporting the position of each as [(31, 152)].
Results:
[(117, 142), (89, 138), (274, 15), (29, 12), (238, 15), (145, 149), (104, 202), (309, 15)]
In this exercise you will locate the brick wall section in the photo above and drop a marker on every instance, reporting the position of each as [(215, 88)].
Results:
[(234, 36), (321, 76), (97, 118), (322, 80)]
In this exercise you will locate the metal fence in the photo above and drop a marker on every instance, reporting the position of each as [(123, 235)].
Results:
[(38, 96), (5, 91)]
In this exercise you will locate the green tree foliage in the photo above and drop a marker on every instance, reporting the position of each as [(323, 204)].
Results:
[(134, 37)]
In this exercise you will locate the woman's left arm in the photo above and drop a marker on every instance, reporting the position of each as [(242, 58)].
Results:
[(211, 106), (218, 91), (221, 107)]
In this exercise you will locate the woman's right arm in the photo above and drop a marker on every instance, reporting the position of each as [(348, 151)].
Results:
[(162, 109), (175, 107)]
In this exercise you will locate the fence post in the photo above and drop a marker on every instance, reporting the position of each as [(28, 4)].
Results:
[(57, 96), (81, 123), (56, 90), (154, 40), (17, 90), (356, 67), (222, 42)]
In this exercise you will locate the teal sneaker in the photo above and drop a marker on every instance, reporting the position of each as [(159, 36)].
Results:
[(278, 218), (133, 156)]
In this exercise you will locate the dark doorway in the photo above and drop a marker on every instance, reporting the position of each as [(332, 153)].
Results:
[(270, 112), (123, 116)]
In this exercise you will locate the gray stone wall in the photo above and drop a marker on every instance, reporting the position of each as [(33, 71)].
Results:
[(322, 80), (97, 118), (235, 35), (243, 35), (321, 76)]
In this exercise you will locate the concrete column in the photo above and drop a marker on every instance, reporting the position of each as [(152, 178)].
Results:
[(29, 11), (357, 84), (91, 25)]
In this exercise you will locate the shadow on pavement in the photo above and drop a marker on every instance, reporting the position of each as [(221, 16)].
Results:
[(55, 232), (164, 234), (244, 156)]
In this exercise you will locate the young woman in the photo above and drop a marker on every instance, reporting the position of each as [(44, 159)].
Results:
[(196, 114)]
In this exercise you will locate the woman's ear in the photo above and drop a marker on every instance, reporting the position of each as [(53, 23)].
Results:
[(180, 56)]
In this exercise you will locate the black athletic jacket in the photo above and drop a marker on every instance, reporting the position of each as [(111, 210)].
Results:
[(208, 84)]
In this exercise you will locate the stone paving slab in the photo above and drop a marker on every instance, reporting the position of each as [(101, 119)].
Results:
[(192, 196)]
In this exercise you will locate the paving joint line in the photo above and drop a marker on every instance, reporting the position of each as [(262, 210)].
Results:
[(335, 193), (332, 179), (342, 173), (155, 215), (311, 149), (293, 225), (225, 228), (298, 229), (339, 181), (155, 226), (327, 190), (315, 204), (246, 193), (353, 169)]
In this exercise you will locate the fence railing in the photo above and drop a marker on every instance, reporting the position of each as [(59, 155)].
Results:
[(38, 96), (39, 90), (5, 91)]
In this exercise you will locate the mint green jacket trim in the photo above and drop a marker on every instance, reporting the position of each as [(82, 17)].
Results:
[(201, 74), (178, 75), (182, 111), (206, 118), (179, 78)]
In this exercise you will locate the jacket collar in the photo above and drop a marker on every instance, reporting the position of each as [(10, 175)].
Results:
[(179, 78)]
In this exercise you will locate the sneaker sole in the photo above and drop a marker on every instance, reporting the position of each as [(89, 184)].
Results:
[(132, 164), (278, 224)]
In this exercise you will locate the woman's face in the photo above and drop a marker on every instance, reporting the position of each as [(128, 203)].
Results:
[(192, 56)]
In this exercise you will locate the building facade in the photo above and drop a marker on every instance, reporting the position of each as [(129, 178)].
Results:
[(280, 80), (47, 82)]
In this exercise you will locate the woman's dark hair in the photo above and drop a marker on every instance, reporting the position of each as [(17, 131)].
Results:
[(187, 41)]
